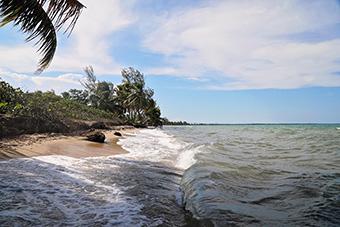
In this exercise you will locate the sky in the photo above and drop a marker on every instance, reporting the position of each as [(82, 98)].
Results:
[(208, 61)]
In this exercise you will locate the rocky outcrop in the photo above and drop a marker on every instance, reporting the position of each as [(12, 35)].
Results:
[(96, 136)]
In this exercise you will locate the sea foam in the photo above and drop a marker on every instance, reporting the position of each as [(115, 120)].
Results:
[(158, 146), (59, 190), (140, 188)]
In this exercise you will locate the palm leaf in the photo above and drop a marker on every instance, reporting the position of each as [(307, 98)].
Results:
[(62, 10), (33, 20)]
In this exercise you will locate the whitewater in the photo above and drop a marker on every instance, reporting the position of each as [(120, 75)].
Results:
[(222, 175)]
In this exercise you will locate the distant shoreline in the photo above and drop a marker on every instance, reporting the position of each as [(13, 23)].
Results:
[(222, 124)]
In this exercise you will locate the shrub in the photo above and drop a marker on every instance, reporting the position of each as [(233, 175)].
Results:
[(11, 99)]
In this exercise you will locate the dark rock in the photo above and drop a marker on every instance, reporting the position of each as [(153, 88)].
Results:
[(137, 125), (117, 134), (96, 136)]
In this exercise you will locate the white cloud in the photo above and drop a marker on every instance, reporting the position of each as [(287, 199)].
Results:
[(14, 76), (198, 79), (162, 71), (248, 42), (59, 84), (88, 44), (21, 58), (241, 44)]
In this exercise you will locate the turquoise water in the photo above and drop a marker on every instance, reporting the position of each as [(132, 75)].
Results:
[(222, 175), (263, 175)]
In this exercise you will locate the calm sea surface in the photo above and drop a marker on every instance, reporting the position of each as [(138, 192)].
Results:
[(225, 175)]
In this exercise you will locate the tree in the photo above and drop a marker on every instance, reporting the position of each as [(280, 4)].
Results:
[(136, 98), (154, 114), (106, 94), (10, 98), (66, 95), (133, 76), (91, 84), (78, 95), (100, 94), (121, 100), (32, 18)]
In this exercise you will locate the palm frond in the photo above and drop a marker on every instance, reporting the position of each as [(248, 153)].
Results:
[(62, 10), (33, 20)]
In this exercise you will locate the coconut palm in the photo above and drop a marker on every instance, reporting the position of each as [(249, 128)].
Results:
[(41, 19)]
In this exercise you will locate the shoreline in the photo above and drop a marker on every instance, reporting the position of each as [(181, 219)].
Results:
[(75, 146)]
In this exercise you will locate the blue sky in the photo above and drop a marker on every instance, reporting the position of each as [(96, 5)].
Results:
[(217, 61)]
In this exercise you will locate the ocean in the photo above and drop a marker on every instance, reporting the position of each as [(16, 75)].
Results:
[(204, 175)]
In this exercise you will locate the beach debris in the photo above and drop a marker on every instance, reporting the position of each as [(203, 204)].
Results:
[(117, 134), (96, 136)]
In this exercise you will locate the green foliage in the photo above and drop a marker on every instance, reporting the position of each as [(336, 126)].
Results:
[(55, 108), (11, 98), (91, 84), (78, 95), (131, 101), (166, 121), (154, 116), (66, 95), (98, 94), (47, 106), (139, 106)]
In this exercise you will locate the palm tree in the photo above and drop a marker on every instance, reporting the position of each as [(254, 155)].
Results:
[(139, 98), (32, 18), (101, 94), (121, 99)]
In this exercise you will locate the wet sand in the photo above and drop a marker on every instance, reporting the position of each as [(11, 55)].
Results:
[(73, 146)]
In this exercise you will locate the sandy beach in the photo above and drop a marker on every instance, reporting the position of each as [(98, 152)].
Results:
[(55, 144)]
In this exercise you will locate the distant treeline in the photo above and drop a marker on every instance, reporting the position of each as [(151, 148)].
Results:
[(168, 122), (130, 102)]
